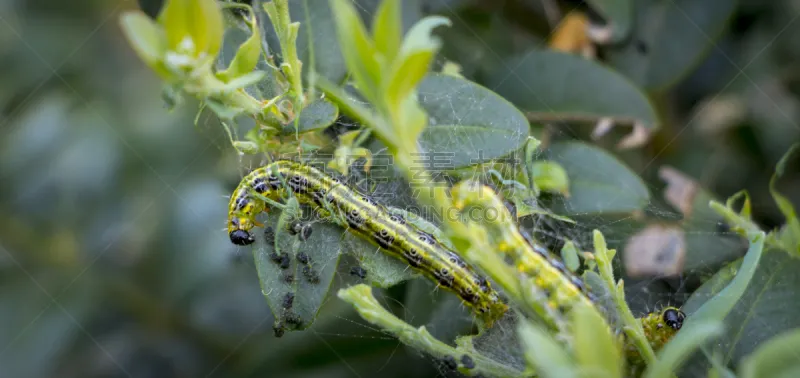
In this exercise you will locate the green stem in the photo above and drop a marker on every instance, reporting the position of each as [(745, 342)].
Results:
[(630, 325), (360, 296), (204, 84), (240, 99), (278, 12)]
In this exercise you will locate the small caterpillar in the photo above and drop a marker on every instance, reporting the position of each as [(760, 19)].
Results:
[(661, 326), (364, 217), (562, 288)]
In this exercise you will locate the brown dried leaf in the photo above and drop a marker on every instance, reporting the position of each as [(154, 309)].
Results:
[(657, 250), (681, 189)]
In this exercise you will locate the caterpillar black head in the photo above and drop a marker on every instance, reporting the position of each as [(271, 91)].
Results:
[(241, 237), (674, 318)]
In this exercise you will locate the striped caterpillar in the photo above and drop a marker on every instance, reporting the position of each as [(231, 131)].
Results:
[(561, 287), (361, 215), (373, 222)]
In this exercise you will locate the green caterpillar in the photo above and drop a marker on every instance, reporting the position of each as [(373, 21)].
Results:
[(562, 288), (366, 218)]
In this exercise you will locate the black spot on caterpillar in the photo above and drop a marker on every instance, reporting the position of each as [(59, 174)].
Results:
[(364, 217)]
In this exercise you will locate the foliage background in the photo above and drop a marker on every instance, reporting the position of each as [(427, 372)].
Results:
[(113, 261)]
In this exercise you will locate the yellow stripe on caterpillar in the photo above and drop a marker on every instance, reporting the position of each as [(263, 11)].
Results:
[(364, 217)]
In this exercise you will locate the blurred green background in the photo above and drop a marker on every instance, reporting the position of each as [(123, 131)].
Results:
[(113, 258)]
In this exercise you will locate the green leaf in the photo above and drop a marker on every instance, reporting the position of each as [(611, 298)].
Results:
[(243, 81), (569, 253), (383, 271), (766, 308), (322, 247), (316, 37), (405, 75), (467, 122), (442, 313), (420, 36), (676, 36), (679, 349), (774, 358), (269, 86), (544, 353), (388, 29), (173, 17), (246, 58), (604, 295), (596, 350), (278, 14), (209, 26), (358, 49), (619, 17), (707, 250), (500, 343), (719, 306), (246, 146), (222, 111), (790, 234), (599, 183), (550, 177), (146, 38), (556, 86), (317, 115), (360, 296), (317, 34), (408, 68), (348, 105), (200, 20)]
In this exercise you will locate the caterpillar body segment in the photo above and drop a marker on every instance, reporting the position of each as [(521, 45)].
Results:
[(364, 217), (661, 326), (562, 288)]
